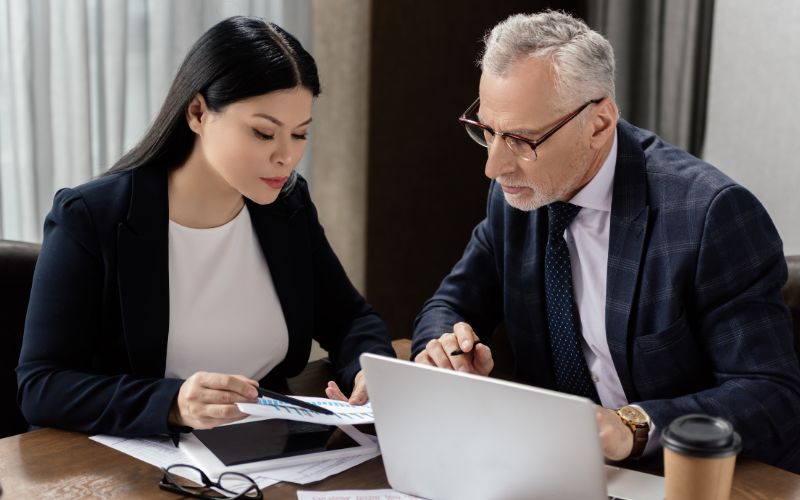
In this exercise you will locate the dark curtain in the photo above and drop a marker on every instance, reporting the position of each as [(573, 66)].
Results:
[(663, 50)]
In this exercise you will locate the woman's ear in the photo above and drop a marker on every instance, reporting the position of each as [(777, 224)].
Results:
[(197, 114)]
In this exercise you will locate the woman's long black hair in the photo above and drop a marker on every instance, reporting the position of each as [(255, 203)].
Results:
[(237, 58)]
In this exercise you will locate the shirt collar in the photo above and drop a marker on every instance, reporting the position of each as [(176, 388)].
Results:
[(598, 192)]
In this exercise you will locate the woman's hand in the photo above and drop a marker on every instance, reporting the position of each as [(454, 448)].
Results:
[(359, 395), (206, 400)]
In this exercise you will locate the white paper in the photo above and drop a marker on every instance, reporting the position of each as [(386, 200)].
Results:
[(317, 471), (344, 413), (157, 450), (161, 452), (354, 495)]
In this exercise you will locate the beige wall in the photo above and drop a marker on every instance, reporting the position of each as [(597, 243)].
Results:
[(752, 126), (341, 30), (341, 39)]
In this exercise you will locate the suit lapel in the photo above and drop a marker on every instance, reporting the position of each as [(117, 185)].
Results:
[(143, 272), (287, 249), (629, 219), (534, 273)]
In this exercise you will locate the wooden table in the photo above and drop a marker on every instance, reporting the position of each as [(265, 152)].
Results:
[(50, 463)]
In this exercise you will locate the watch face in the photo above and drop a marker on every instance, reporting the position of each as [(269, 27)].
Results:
[(633, 415)]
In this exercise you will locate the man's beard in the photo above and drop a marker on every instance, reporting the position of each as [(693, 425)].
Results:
[(538, 196)]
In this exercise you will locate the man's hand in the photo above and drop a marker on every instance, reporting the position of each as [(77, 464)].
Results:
[(359, 395), (615, 436), (206, 400), (475, 358)]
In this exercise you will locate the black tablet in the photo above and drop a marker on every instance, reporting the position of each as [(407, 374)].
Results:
[(272, 439)]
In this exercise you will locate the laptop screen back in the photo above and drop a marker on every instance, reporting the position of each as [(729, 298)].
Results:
[(447, 435)]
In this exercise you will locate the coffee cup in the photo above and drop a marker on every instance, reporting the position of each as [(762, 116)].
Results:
[(699, 457)]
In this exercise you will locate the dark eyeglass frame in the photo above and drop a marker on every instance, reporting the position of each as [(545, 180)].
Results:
[(533, 143), (169, 483)]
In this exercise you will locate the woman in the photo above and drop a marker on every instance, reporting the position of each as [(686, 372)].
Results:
[(196, 257)]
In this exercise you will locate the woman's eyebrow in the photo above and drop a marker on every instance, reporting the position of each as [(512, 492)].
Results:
[(276, 121)]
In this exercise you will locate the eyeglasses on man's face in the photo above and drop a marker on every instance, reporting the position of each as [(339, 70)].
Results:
[(521, 146), (188, 480)]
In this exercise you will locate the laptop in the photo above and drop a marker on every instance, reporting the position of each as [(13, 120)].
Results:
[(450, 435)]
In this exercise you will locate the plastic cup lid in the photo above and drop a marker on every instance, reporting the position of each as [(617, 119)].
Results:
[(701, 436)]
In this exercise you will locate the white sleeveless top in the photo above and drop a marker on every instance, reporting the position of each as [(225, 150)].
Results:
[(224, 313)]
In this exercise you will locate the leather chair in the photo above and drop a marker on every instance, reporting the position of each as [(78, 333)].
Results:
[(791, 295), (17, 260)]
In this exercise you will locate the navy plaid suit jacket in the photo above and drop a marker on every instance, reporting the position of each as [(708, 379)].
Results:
[(695, 321)]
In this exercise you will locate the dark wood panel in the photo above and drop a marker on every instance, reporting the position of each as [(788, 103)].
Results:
[(427, 189)]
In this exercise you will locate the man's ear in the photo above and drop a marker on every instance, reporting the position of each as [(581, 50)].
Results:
[(197, 114), (604, 121)]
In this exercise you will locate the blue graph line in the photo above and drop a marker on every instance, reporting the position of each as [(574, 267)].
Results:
[(344, 415)]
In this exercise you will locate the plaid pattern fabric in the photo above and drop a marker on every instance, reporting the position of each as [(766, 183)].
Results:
[(695, 321)]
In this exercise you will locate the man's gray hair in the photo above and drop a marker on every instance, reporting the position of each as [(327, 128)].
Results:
[(582, 59)]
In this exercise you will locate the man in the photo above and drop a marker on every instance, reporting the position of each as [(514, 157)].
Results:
[(625, 269)]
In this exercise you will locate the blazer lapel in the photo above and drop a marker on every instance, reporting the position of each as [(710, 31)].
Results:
[(533, 273), (629, 219), (287, 249), (143, 272)]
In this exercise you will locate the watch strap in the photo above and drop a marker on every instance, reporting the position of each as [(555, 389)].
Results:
[(641, 432), (640, 437)]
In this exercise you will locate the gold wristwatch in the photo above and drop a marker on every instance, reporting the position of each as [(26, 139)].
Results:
[(639, 423)]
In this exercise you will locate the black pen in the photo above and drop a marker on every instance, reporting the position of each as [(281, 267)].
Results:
[(459, 352), (292, 401)]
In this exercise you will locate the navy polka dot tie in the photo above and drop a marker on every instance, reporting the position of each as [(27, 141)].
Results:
[(572, 373)]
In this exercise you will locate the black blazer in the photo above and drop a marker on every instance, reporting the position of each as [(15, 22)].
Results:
[(95, 343)]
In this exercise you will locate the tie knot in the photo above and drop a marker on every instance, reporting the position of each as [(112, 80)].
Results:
[(559, 215)]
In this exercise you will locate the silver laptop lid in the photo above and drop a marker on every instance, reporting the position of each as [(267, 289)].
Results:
[(445, 434)]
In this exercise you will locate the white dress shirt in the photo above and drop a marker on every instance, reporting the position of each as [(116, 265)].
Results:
[(587, 238)]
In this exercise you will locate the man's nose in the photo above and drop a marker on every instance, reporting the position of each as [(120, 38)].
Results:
[(500, 159)]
